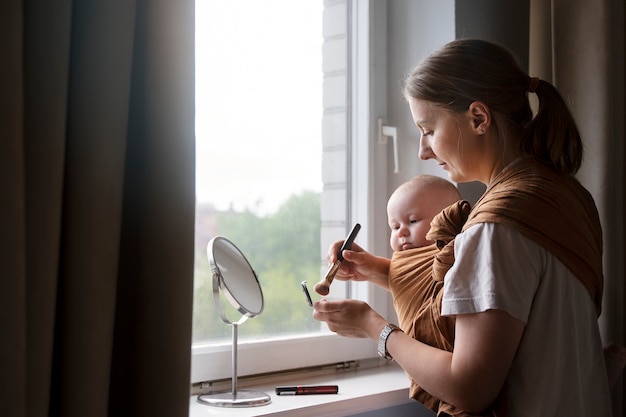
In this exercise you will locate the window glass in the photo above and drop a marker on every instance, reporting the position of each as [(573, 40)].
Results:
[(259, 155)]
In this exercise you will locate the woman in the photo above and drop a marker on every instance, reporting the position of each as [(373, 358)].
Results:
[(525, 288)]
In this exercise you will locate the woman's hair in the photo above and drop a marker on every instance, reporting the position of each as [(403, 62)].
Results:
[(468, 70)]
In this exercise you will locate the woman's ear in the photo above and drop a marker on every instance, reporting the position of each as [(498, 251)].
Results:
[(480, 116)]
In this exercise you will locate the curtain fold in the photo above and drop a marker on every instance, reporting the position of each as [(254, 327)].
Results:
[(578, 45), (97, 213), (588, 68)]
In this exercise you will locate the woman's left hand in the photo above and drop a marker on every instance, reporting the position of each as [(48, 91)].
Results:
[(349, 318)]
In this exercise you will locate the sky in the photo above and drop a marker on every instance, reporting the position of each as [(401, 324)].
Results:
[(258, 101)]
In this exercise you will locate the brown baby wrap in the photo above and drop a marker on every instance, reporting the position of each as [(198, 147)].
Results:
[(416, 283), (551, 209)]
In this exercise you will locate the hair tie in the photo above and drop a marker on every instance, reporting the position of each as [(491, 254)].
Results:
[(532, 86)]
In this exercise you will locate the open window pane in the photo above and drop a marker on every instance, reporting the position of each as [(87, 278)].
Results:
[(259, 152)]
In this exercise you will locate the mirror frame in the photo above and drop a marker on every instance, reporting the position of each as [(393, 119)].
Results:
[(230, 291)]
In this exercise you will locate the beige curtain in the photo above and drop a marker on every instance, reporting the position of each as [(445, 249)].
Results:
[(96, 207), (579, 46)]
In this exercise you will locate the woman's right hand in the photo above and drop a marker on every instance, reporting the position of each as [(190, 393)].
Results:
[(360, 265)]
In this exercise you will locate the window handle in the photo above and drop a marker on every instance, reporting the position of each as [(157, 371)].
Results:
[(384, 132)]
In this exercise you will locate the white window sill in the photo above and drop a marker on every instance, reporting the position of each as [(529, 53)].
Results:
[(361, 392)]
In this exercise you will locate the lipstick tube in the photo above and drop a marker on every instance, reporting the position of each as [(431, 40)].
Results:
[(306, 389)]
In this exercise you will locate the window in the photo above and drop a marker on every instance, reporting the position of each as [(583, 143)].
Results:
[(258, 130), (276, 169)]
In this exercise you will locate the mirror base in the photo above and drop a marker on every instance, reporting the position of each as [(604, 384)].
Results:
[(241, 398)]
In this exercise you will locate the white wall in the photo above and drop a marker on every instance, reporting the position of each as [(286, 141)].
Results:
[(415, 29)]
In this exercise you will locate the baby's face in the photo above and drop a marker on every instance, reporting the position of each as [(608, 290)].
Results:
[(409, 215)]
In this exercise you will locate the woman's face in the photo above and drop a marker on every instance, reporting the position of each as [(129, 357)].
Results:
[(450, 139)]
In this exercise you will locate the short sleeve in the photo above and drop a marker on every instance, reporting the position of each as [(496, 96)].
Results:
[(495, 267)]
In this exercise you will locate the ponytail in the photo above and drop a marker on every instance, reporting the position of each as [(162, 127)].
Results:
[(552, 137)]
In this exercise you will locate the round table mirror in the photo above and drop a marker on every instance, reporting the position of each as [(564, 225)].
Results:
[(234, 278)]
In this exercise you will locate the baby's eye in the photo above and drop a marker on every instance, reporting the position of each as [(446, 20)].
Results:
[(412, 221)]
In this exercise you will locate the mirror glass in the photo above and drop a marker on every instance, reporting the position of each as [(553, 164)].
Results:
[(237, 279)]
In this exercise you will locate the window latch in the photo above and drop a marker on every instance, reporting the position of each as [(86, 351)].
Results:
[(385, 132)]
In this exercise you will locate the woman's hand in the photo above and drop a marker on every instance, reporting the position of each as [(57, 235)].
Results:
[(360, 265), (349, 318)]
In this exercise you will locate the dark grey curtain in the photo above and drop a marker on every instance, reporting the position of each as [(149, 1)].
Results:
[(579, 46), (96, 207)]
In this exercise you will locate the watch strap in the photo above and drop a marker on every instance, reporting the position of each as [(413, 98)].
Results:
[(382, 340)]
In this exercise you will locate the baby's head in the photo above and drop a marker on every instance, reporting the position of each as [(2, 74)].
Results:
[(412, 207)]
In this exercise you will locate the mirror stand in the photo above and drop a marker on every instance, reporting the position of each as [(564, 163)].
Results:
[(243, 291), (235, 398)]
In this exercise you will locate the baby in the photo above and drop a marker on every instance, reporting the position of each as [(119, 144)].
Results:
[(424, 215)]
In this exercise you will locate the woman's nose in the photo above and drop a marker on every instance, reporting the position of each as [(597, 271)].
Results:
[(425, 152)]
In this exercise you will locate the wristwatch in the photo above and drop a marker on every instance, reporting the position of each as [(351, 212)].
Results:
[(382, 340)]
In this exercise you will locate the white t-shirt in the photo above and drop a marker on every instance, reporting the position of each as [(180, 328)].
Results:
[(559, 368)]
